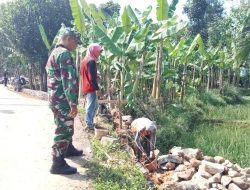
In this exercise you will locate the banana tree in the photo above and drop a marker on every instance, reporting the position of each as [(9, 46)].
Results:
[(182, 53)]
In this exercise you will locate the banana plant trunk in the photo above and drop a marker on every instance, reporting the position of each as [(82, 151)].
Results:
[(122, 81), (228, 76), (208, 79), (30, 76), (221, 79), (158, 79), (155, 77), (135, 87), (193, 76), (213, 77), (234, 78), (183, 82)]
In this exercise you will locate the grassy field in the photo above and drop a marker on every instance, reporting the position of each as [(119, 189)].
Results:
[(229, 138), (230, 141)]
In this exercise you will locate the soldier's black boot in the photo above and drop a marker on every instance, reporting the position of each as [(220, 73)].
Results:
[(72, 151), (60, 166)]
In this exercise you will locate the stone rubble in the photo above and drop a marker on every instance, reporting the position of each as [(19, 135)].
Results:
[(189, 169)]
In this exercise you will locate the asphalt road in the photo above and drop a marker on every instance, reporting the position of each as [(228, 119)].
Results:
[(26, 136)]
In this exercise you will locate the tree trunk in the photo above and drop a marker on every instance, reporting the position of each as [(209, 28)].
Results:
[(193, 76), (158, 79), (208, 79), (138, 76), (234, 78), (228, 76), (183, 82), (122, 82), (155, 77), (43, 78), (30, 76), (221, 79)]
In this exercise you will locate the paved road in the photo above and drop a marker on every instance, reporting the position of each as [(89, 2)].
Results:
[(26, 135)]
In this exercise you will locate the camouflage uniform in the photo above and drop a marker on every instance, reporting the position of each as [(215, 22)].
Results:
[(62, 92)]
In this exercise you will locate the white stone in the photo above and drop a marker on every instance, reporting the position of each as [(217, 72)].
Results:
[(187, 185), (186, 175), (209, 159), (218, 186), (195, 163), (170, 158), (200, 182), (241, 182), (203, 173), (233, 173), (225, 180), (232, 186), (245, 171), (216, 178), (219, 159), (237, 168), (212, 168), (188, 153), (180, 168)]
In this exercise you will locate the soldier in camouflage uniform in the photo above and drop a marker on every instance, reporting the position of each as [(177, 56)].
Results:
[(63, 99)]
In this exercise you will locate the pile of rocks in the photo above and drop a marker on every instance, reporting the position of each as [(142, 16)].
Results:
[(36, 93), (189, 169)]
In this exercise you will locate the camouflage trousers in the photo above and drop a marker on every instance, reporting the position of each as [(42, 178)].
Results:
[(63, 132)]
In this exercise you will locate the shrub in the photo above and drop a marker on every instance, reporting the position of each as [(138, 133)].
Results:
[(212, 98), (232, 95)]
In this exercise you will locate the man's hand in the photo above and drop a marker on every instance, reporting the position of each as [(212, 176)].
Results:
[(73, 111), (151, 155), (144, 155)]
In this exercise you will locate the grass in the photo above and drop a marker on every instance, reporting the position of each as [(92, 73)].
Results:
[(230, 112), (230, 141), (120, 173), (221, 129)]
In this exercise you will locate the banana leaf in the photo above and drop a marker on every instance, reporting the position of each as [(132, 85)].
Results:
[(108, 43), (162, 10), (44, 36), (132, 15), (126, 21), (78, 15)]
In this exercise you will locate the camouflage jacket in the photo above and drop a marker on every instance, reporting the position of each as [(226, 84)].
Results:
[(62, 79)]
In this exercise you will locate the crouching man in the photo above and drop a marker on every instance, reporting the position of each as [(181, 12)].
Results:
[(145, 137)]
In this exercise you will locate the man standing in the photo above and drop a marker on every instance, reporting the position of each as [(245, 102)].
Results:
[(63, 100), (5, 76), (90, 86)]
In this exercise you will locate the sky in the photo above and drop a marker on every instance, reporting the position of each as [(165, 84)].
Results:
[(143, 4)]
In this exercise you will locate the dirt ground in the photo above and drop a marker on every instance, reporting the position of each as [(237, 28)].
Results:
[(26, 136)]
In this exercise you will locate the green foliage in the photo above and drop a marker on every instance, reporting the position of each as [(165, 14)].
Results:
[(231, 95), (79, 19), (202, 15), (213, 98), (177, 120), (126, 21), (162, 10), (110, 8), (121, 173)]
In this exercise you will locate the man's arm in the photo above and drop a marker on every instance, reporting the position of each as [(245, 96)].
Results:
[(92, 71), (69, 79), (138, 142), (152, 140)]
